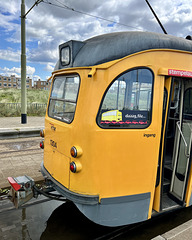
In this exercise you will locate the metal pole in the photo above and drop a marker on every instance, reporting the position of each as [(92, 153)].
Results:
[(156, 17), (23, 67)]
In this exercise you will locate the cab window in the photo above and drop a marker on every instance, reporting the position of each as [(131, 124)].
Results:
[(127, 102), (63, 98)]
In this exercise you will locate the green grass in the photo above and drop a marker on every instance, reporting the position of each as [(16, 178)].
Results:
[(14, 96)]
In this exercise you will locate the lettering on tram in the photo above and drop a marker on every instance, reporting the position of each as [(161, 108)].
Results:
[(120, 111), (149, 135), (53, 128), (53, 143)]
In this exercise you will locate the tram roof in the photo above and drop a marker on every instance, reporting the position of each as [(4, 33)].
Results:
[(112, 46)]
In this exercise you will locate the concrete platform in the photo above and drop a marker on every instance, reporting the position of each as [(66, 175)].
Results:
[(182, 232), (11, 127)]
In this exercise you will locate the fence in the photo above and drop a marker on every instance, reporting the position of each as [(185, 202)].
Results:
[(14, 109), (18, 105)]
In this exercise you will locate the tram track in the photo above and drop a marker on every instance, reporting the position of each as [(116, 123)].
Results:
[(7, 205), (19, 157), (20, 147), (19, 151), (118, 232)]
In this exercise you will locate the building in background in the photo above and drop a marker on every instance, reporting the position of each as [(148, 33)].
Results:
[(42, 85), (14, 82)]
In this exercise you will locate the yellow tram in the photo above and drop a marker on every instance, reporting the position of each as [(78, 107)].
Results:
[(118, 126)]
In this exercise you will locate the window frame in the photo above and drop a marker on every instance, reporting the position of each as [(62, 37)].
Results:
[(64, 75), (128, 126)]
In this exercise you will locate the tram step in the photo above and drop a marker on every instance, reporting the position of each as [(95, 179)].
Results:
[(166, 185), (168, 203)]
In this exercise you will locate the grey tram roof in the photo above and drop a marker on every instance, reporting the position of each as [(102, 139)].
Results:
[(108, 47)]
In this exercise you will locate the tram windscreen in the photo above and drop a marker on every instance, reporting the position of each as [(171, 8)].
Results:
[(63, 98), (127, 102)]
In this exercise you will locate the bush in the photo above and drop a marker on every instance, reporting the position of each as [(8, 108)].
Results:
[(10, 110), (10, 102)]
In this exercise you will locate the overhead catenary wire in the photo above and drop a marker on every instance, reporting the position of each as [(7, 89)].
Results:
[(35, 4), (63, 6)]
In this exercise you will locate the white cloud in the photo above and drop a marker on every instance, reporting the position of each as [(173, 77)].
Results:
[(10, 54), (48, 26), (30, 70), (10, 6), (49, 67), (17, 71)]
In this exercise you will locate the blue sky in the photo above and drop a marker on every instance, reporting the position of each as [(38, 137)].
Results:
[(52, 22)]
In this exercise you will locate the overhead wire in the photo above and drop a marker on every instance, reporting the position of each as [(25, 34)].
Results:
[(63, 6)]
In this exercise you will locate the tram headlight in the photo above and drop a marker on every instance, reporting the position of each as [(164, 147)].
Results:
[(65, 56), (42, 133), (76, 151), (75, 167), (42, 144)]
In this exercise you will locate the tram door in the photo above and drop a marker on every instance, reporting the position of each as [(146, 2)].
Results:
[(181, 155)]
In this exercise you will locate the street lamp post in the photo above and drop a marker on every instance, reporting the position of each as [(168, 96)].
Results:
[(23, 66), (23, 61)]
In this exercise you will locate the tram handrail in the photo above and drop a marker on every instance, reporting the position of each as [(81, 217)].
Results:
[(186, 146)]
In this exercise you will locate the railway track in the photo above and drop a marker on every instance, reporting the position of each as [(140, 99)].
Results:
[(20, 147), (118, 232), (22, 151), (19, 157), (6, 205)]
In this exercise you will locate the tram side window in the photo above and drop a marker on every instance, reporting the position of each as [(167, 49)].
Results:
[(63, 98), (188, 104), (128, 101)]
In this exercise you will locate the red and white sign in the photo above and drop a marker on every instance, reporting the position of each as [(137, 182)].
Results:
[(179, 73)]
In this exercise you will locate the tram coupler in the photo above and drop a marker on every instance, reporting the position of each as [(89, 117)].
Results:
[(21, 189)]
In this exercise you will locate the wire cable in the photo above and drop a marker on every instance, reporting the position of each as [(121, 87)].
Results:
[(87, 14)]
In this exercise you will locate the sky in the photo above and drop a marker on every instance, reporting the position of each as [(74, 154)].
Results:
[(53, 22)]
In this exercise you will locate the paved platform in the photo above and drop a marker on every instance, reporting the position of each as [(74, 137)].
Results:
[(182, 232), (11, 127)]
